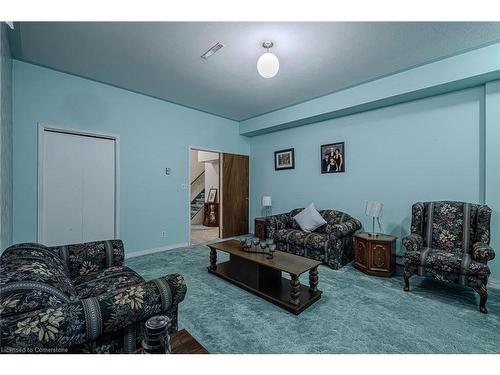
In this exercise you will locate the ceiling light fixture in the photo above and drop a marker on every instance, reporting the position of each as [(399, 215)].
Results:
[(212, 50), (268, 64)]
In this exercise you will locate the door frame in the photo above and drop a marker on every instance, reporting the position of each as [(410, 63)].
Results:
[(42, 127), (196, 148)]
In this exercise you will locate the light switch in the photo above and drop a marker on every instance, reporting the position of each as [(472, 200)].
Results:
[(168, 171), (184, 186)]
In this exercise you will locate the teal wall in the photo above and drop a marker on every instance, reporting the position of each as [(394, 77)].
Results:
[(492, 166), (427, 149), (5, 140), (154, 134)]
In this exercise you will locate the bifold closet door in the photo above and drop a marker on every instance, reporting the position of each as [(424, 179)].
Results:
[(77, 189)]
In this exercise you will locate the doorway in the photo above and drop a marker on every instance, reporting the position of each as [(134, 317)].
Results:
[(218, 198), (204, 178)]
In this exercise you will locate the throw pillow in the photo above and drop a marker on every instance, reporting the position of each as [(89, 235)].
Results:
[(309, 219)]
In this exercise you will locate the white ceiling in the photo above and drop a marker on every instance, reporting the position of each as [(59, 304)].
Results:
[(162, 59)]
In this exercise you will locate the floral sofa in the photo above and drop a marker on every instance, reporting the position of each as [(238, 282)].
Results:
[(332, 243), (78, 298), (449, 241)]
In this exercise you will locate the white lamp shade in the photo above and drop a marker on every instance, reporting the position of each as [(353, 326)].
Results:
[(268, 65), (266, 201), (374, 209)]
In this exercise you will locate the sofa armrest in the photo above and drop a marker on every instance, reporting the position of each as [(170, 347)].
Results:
[(71, 324), (413, 242), (347, 228), (274, 223), (482, 252), (87, 257)]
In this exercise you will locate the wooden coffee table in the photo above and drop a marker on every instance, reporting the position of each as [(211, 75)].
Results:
[(261, 276)]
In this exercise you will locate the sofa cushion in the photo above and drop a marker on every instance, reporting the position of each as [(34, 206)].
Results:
[(444, 222), (32, 277), (89, 257), (309, 219), (446, 261), (300, 238), (291, 223), (281, 235), (109, 279), (305, 239), (332, 217)]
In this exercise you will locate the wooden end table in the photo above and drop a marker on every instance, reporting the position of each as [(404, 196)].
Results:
[(375, 254), (260, 228)]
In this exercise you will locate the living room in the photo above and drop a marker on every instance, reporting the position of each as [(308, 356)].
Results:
[(264, 187)]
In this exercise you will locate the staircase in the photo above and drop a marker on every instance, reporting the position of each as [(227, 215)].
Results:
[(197, 203)]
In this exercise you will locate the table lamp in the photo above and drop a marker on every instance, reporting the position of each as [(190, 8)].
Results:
[(267, 204), (374, 209)]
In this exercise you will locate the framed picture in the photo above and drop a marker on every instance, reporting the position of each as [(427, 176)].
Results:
[(212, 195), (284, 159), (333, 158)]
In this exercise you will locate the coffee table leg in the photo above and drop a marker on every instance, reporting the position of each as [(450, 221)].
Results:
[(313, 280), (213, 259), (294, 290)]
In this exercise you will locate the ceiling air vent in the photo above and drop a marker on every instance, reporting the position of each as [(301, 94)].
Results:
[(212, 50)]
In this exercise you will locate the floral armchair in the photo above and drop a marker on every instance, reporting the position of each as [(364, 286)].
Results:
[(449, 241), (332, 243), (78, 298)]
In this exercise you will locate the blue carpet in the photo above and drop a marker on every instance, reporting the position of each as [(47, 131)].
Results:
[(356, 313)]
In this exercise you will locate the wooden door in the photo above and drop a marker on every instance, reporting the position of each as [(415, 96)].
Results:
[(234, 194)]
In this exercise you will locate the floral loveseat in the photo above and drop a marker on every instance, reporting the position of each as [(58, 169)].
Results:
[(78, 298), (332, 243), (449, 241)]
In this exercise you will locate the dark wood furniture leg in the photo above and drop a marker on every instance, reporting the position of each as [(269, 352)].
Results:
[(483, 297), (213, 259), (406, 278), (294, 290), (313, 280)]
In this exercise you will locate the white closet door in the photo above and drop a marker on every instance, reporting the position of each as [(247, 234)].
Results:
[(98, 187), (78, 189)]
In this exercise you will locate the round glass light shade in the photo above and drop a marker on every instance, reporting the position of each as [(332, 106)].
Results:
[(268, 65)]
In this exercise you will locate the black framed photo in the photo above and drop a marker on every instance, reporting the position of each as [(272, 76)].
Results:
[(212, 195), (333, 158), (284, 159)]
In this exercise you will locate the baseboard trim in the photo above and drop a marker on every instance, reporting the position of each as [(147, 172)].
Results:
[(155, 250)]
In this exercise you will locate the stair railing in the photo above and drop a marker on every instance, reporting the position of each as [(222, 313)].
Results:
[(201, 174), (194, 200)]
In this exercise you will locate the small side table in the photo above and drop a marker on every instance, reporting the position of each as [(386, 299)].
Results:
[(375, 254), (260, 228), (211, 215)]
